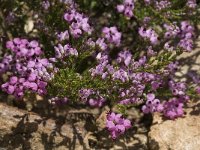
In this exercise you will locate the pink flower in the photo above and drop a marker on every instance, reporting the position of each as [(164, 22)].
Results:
[(120, 8), (116, 124), (126, 8), (173, 108), (13, 80)]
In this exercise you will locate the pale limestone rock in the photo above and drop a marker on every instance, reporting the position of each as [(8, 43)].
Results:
[(24, 130), (180, 134)]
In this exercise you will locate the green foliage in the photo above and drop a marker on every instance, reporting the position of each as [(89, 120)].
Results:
[(74, 72)]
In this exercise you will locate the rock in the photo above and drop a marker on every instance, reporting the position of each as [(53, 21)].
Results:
[(28, 27), (24, 130), (77, 129), (180, 134)]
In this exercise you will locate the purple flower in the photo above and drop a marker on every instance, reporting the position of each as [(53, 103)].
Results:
[(78, 23), (155, 85), (186, 44), (177, 88), (13, 80), (126, 8), (120, 8), (152, 104), (5, 63), (147, 1), (121, 75), (69, 16), (93, 98), (10, 89), (116, 124), (63, 35), (46, 4), (29, 70), (101, 43), (149, 34), (173, 108), (198, 89), (33, 44), (191, 4), (163, 4), (96, 102), (112, 35), (125, 56), (67, 50), (32, 77), (90, 42)]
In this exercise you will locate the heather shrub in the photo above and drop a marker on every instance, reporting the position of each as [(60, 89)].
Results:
[(120, 54)]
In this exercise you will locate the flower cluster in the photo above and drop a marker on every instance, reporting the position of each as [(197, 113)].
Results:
[(198, 89), (152, 104), (171, 31), (172, 67), (123, 71), (129, 101), (24, 48), (116, 124), (178, 89), (92, 97), (64, 51), (192, 3), (134, 94), (195, 77), (18, 86), (159, 5), (196, 80), (46, 4), (5, 63), (187, 36), (147, 2), (149, 34), (78, 23), (63, 36), (163, 4), (100, 43), (99, 69), (30, 72), (185, 33), (126, 8), (112, 35), (102, 66), (173, 108), (125, 57)]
